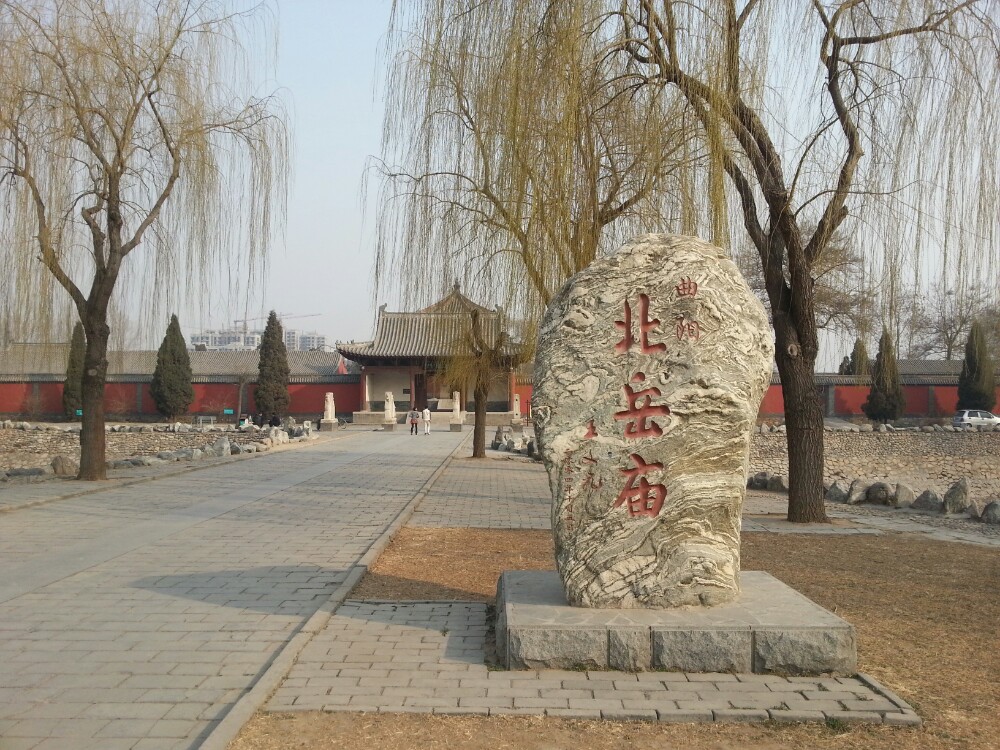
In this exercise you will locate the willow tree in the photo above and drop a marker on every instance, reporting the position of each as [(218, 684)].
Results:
[(817, 116), (512, 158), (129, 130)]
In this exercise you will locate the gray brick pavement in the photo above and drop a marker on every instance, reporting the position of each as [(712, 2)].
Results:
[(503, 492), (136, 616), (429, 656)]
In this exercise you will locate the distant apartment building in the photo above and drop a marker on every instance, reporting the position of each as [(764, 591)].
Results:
[(232, 339)]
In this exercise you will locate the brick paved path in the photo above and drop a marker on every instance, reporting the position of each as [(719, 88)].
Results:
[(428, 657), (135, 616)]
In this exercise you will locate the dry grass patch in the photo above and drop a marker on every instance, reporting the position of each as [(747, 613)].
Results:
[(927, 615)]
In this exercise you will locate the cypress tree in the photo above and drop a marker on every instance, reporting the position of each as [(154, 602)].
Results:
[(977, 383), (860, 363), (72, 396), (271, 394), (171, 386), (885, 400)]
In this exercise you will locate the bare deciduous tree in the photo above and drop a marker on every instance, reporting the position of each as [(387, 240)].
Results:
[(794, 121), (128, 126), (938, 322), (512, 156)]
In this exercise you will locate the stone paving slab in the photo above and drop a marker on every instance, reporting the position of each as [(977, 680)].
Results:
[(499, 493), (430, 657), (137, 616)]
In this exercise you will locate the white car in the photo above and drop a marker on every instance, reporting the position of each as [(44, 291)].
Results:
[(974, 418)]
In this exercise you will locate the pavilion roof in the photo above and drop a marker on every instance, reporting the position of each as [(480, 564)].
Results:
[(439, 330)]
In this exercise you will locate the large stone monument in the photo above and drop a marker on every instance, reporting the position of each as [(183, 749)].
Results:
[(516, 423), (389, 421), (329, 420), (650, 368)]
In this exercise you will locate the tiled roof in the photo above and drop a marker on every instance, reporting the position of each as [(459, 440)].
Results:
[(436, 331), (21, 362), (911, 372)]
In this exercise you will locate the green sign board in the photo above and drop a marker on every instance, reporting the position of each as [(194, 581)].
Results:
[(79, 412), (228, 411)]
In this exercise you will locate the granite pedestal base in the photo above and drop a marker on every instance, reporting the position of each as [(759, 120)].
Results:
[(327, 425), (456, 426), (769, 628), (389, 426)]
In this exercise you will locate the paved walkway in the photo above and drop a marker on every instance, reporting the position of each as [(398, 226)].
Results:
[(429, 657), (135, 616)]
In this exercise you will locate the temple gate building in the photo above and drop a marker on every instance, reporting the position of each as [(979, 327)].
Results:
[(410, 353)]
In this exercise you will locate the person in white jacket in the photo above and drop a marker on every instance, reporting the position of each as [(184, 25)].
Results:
[(427, 420)]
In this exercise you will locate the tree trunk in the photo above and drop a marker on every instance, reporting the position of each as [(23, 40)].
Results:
[(482, 393), (95, 372), (804, 426)]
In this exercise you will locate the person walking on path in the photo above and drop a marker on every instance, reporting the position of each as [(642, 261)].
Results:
[(427, 420), (413, 416)]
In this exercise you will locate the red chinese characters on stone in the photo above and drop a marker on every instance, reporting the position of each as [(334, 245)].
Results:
[(688, 329), (645, 327), (641, 410), (589, 480), (641, 498), (687, 288), (591, 431)]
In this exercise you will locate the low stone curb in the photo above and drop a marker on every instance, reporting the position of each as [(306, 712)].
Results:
[(278, 668), (125, 482)]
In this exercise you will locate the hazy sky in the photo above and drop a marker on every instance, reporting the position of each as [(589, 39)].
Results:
[(330, 72)]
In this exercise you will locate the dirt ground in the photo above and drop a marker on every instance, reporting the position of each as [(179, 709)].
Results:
[(927, 616)]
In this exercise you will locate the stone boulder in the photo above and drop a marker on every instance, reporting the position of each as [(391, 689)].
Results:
[(777, 483), (838, 493), (879, 493), (650, 368), (221, 447), (904, 496), (991, 513), (928, 500), (63, 466), (758, 481), (858, 492), (956, 499)]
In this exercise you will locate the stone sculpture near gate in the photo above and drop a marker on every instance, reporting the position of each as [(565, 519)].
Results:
[(650, 369), (389, 421), (329, 420), (457, 420)]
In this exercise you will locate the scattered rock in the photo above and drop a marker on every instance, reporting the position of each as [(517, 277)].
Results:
[(879, 493), (928, 500), (956, 499), (777, 483), (991, 513), (838, 493), (27, 472), (63, 466), (857, 493), (904, 496), (758, 481)]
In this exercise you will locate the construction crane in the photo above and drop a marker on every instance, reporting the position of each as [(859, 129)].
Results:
[(281, 316)]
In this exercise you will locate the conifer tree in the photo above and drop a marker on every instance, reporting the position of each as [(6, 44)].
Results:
[(271, 394), (860, 363), (171, 387), (885, 400), (845, 366), (72, 397), (977, 383)]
